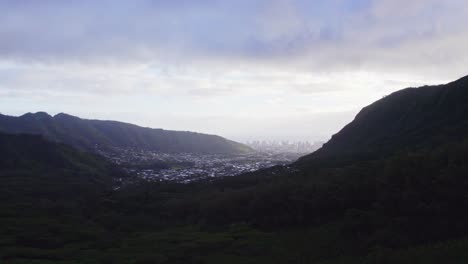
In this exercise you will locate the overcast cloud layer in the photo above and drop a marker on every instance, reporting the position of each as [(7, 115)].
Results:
[(271, 69)]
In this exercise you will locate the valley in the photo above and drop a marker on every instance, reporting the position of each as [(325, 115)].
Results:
[(187, 167), (390, 187), (233, 132)]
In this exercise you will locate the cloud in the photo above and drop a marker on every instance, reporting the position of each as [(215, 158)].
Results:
[(210, 91), (319, 34), (272, 59)]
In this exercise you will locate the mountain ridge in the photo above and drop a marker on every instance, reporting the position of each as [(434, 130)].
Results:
[(85, 134), (406, 119)]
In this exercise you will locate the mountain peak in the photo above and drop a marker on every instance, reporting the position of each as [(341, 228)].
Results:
[(38, 115)]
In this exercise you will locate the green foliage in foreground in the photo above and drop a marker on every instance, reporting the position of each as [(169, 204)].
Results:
[(53, 242), (57, 206)]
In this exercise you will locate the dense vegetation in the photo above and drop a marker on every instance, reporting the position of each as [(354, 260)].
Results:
[(403, 209), (31, 161), (392, 202), (86, 134)]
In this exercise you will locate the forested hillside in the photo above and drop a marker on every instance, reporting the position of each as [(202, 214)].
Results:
[(411, 118), (87, 134)]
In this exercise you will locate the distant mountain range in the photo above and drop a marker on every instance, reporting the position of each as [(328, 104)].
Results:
[(87, 134)]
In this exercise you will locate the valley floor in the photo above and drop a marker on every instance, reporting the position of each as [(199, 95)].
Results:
[(186, 167)]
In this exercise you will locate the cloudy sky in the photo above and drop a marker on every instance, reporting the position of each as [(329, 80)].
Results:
[(244, 69)]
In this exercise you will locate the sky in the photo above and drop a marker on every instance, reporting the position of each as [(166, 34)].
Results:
[(244, 69)]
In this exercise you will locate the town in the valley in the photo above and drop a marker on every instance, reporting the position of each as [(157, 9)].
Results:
[(186, 167)]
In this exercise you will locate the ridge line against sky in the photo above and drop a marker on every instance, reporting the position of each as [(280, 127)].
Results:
[(276, 69)]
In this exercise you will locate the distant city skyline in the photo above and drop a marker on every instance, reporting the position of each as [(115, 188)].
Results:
[(244, 70)]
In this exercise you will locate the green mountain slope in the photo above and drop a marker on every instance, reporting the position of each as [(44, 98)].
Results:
[(31, 166), (44, 188), (86, 134), (407, 119)]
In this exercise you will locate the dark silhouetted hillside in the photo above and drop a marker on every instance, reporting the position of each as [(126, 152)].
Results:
[(86, 134), (411, 118)]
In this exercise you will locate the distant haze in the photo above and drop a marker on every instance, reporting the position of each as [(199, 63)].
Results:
[(246, 70)]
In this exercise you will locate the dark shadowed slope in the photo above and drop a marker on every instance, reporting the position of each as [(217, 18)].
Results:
[(32, 167), (411, 118), (86, 134)]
